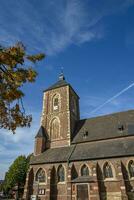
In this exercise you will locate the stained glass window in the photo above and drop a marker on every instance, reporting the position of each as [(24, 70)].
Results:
[(41, 176), (84, 171), (61, 174), (107, 170)]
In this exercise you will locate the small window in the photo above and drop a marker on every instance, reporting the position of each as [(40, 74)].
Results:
[(107, 169), (121, 127), (41, 176), (131, 168), (41, 191), (85, 134), (84, 171), (61, 174), (56, 103)]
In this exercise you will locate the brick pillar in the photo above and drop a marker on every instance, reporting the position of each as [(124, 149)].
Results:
[(69, 191), (26, 187), (122, 183), (94, 189), (48, 185)]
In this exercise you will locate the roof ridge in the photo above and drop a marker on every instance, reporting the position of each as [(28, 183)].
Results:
[(105, 115)]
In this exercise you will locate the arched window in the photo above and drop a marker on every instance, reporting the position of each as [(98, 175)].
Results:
[(131, 168), (61, 174), (56, 102), (41, 176), (107, 170), (55, 128), (84, 170)]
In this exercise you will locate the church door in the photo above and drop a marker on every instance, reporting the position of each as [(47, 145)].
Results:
[(82, 192)]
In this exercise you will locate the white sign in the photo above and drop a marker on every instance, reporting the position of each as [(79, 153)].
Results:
[(33, 197)]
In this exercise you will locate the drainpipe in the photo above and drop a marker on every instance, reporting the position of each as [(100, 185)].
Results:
[(68, 159)]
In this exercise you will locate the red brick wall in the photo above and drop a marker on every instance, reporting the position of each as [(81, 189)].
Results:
[(39, 145), (117, 188), (64, 114)]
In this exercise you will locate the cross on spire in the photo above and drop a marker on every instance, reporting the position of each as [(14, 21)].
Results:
[(61, 76)]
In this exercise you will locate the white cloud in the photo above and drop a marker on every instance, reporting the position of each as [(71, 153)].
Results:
[(21, 143), (3, 169), (52, 26)]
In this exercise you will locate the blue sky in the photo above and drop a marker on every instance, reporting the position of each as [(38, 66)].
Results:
[(92, 40)]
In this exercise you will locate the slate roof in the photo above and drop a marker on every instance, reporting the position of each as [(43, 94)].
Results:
[(104, 149), (53, 155), (87, 151), (105, 127), (59, 83), (41, 133), (108, 136)]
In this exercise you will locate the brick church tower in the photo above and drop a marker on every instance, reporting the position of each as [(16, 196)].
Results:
[(77, 158), (59, 116)]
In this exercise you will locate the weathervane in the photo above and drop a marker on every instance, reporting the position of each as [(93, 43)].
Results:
[(61, 77)]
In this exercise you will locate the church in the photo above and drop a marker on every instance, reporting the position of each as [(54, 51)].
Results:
[(80, 159)]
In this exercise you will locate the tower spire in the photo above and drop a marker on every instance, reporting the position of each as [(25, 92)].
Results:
[(61, 75)]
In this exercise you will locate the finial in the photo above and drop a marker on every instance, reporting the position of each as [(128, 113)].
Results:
[(61, 76)]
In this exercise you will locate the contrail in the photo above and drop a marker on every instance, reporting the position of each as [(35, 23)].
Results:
[(112, 98)]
